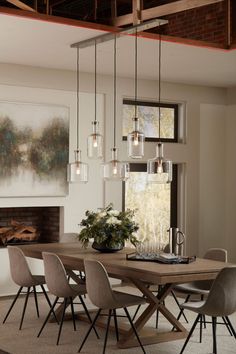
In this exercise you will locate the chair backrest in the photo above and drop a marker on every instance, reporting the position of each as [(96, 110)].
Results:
[(216, 254), (98, 285), (55, 275), (19, 267), (221, 300)]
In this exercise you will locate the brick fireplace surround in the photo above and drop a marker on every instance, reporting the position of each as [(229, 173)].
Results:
[(46, 219)]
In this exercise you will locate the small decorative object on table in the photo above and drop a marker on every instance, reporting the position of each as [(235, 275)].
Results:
[(109, 228)]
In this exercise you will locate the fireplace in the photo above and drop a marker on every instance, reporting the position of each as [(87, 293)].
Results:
[(30, 224)]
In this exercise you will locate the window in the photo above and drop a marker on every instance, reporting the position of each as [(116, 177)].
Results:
[(149, 122), (156, 204)]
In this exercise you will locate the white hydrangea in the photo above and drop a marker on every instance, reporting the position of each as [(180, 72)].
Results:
[(113, 220), (102, 214), (113, 212)]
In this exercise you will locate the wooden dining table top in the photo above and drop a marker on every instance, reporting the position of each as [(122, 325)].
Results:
[(73, 255)]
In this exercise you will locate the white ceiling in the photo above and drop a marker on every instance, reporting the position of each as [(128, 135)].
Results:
[(46, 44)]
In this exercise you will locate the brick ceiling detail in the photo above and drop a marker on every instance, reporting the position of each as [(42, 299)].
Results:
[(213, 24)]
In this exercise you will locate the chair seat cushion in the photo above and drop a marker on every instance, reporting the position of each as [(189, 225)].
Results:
[(193, 306), (190, 288), (38, 280), (126, 300)]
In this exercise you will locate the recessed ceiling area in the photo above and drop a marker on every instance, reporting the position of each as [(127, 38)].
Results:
[(38, 43)]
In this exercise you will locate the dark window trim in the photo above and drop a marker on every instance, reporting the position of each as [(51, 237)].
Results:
[(156, 104), (142, 167)]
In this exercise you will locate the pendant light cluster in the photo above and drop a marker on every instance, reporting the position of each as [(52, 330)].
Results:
[(159, 170), (136, 138)]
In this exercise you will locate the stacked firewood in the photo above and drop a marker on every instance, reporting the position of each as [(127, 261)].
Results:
[(18, 232)]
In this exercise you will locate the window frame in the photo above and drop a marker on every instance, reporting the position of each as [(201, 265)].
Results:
[(174, 106)]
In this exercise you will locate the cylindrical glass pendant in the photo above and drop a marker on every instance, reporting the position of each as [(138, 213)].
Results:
[(159, 170), (135, 142), (95, 143), (77, 172), (115, 170)]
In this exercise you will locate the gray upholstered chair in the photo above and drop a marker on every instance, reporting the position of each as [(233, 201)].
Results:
[(58, 285), (22, 276), (102, 296), (221, 301), (201, 288)]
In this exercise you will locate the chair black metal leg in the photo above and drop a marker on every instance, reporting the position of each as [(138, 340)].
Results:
[(72, 312), (227, 326), (201, 320), (157, 318), (178, 304), (36, 300), (231, 326), (204, 321), (88, 315), (12, 304), (182, 310), (134, 329), (107, 330), (48, 315), (90, 328), (24, 308), (116, 325), (190, 333), (49, 303), (214, 335), (136, 312), (62, 320)]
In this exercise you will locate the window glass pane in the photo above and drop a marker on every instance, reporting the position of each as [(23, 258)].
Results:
[(152, 204), (149, 122)]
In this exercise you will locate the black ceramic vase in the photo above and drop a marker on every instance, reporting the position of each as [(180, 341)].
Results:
[(103, 248)]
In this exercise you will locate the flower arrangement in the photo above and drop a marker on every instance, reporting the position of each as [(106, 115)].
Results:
[(108, 227)]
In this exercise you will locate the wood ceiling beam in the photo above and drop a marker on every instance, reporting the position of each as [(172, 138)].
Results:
[(163, 10), (21, 5)]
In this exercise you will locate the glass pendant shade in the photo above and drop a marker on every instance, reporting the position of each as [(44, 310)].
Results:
[(95, 143), (159, 170), (135, 141), (115, 170), (77, 172)]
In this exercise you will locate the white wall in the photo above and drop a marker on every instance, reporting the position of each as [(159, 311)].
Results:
[(230, 154), (33, 84)]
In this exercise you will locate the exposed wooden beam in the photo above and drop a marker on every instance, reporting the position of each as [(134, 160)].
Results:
[(164, 10), (21, 5), (137, 7)]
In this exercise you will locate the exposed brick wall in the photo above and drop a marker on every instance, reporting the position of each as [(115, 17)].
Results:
[(46, 219), (206, 23)]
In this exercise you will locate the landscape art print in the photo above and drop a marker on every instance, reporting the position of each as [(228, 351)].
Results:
[(34, 149)]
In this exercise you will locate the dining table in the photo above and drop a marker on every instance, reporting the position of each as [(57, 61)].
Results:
[(140, 274)]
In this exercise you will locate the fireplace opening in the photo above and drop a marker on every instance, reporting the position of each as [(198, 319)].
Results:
[(29, 225)]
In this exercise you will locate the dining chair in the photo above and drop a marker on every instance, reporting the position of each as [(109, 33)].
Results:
[(220, 302), (201, 287), (58, 285), (104, 297), (22, 276)]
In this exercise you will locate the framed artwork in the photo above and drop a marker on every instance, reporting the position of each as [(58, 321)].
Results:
[(34, 149), (148, 114)]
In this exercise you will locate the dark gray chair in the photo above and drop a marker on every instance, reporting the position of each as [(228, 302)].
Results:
[(220, 302)]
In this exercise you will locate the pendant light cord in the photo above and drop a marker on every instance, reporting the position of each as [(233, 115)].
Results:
[(78, 98), (136, 73), (159, 88), (95, 79), (114, 91)]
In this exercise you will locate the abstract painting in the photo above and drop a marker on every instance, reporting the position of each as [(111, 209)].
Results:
[(34, 149)]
